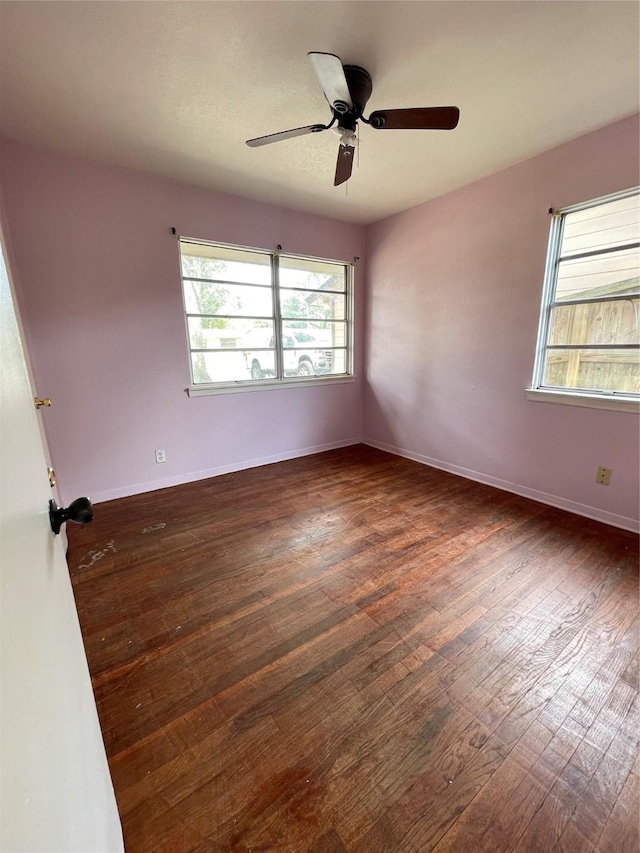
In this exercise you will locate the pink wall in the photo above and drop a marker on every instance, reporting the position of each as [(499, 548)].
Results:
[(98, 276), (451, 316), (453, 297)]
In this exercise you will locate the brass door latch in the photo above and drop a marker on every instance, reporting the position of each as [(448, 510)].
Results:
[(45, 401)]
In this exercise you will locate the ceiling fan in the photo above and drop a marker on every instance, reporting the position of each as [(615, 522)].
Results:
[(347, 88)]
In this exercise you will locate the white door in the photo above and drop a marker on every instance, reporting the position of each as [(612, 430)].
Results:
[(56, 792)]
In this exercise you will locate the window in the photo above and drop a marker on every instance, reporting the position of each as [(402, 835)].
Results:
[(257, 318), (589, 338)]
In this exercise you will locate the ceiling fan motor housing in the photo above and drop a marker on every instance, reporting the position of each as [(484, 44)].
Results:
[(360, 88)]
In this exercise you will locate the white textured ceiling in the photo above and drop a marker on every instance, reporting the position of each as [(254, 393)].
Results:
[(176, 88)]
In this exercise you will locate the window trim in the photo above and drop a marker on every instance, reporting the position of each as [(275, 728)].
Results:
[(240, 387), (202, 389), (587, 401), (538, 391)]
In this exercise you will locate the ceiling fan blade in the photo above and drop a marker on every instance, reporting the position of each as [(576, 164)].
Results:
[(420, 118), (344, 164), (285, 134), (330, 74)]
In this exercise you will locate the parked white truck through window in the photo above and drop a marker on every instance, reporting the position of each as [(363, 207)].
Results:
[(303, 354)]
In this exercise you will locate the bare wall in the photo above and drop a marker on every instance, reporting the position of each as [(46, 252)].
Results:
[(99, 287), (453, 297)]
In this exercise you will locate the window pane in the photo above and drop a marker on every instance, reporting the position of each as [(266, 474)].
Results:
[(311, 275), (218, 262), (305, 362), (208, 298), (339, 364), (259, 352), (209, 333), (303, 354), (613, 223), (596, 370), (596, 323), (317, 334), (219, 367), (599, 276), (307, 352), (314, 306)]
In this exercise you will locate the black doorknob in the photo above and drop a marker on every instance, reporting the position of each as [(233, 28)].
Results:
[(79, 511)]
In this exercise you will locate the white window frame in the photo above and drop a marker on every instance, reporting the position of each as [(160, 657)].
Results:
[(248, 385), (538, 391)]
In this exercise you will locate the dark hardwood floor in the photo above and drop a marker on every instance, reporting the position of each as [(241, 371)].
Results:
[(352, 651)]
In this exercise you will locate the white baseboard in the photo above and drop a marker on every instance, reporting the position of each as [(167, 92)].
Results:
[(516, 488), (193, 476)]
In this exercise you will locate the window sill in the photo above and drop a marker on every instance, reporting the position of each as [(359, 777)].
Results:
[(589, 401), (264, 385)]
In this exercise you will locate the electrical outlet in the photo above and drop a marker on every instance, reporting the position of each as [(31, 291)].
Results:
[(603, 475), (161, 456)]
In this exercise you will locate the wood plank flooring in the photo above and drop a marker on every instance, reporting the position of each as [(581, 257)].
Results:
[(355, 652)]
